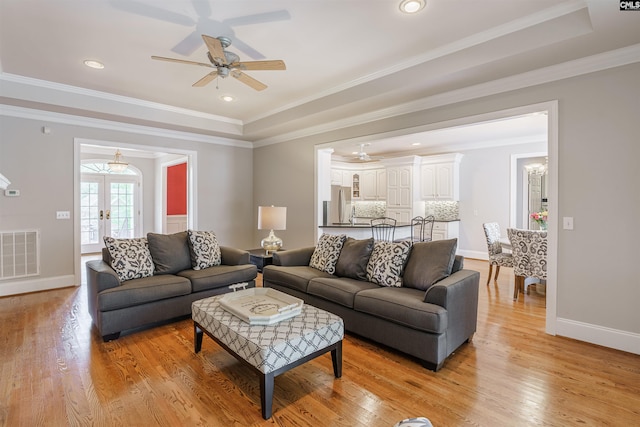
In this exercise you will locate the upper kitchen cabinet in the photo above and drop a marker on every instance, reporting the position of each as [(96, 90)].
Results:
[(440, 176), (403, 181), (374, 184)]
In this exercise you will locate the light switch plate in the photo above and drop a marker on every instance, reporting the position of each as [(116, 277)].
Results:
[(63, 215), (567, 222)]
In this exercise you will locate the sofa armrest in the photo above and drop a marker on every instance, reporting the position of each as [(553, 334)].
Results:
[(233, 256), (100, 276), (458, 294), (300, 256)]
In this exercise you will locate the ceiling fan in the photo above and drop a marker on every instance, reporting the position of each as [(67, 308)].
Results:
[(227, 63), (362, 156)]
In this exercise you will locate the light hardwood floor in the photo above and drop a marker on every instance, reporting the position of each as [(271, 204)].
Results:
[(56, 371)]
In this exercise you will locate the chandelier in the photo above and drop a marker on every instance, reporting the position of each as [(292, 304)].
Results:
[(117, 165)]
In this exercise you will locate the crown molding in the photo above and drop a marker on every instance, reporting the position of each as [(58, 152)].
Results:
[(14, 78), (591, 64), (68, 119), (486, 36)]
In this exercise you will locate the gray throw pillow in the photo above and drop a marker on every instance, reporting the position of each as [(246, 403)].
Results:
[(354, 258), (429, 263), (170, 252)]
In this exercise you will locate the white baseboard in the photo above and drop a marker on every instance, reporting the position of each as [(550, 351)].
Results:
[(473, 254), (600, 335), (16, 287)]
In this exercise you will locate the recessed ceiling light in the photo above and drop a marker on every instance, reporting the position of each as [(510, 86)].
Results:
[(412, 6), (94, 64), (227, 98), (416, 143)]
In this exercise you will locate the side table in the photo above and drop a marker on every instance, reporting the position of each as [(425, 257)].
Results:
[(259, 258)]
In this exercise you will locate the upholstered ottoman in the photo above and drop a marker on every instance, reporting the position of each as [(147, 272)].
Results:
[(270, 349)]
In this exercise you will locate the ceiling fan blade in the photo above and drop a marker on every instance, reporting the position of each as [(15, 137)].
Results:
[(182, 61), (261, 65), (258, 18), (188, 45), (215, 49), (154, 12), (249, 81), (206, 79)]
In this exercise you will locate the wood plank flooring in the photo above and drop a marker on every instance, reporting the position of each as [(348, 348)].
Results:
[(56, 371)]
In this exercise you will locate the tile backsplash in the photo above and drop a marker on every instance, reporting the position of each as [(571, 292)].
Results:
[(370, 209), (442, 210)]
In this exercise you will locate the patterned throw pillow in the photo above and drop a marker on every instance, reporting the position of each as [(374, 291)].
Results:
[(130, 258), (327, 251), (386, 263), (204, 248)]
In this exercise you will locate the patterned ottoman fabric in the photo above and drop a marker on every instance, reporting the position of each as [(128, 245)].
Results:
[(270, 347)]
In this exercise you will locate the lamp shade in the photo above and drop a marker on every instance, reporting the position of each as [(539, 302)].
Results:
[(272, 218)]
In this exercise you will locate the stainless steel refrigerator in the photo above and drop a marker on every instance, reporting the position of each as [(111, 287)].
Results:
[(340, 205)]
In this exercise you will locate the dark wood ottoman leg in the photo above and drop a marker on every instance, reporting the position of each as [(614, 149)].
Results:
[(336, 358), (197, 337), (266, 394)]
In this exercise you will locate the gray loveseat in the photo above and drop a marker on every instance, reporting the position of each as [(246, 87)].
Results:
[(169, 288), (430, 315)]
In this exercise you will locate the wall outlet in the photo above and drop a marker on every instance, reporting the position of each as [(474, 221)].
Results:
[(63, 215), (567, 222)]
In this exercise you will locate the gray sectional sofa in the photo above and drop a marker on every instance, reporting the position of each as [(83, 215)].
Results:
[(160, 281), (431, 313)]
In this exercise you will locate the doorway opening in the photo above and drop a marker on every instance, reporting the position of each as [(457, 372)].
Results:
[(109, 204)]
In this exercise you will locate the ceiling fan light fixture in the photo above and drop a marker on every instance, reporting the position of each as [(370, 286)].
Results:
[(92, 63), (412, 6)]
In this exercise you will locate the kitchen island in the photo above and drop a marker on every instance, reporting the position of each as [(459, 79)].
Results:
[(442, 229)]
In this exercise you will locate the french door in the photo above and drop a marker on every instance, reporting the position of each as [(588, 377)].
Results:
[(109, 206)]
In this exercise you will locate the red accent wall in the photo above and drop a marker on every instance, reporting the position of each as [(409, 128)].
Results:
[(177, 189)]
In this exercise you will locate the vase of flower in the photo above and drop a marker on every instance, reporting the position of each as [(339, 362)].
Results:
[(540, 218)]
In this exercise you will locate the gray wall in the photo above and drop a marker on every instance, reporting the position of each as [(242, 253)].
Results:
[(41, 167), (597, 185)]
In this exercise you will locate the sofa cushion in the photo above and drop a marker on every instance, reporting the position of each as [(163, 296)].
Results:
[(204, 249), (327, 251), (429, 263), (354, 258), (403, 306), (170, 252), (387, 262), (339, 290), (130, 258), (219, 276), (140, 291), (293, 277)]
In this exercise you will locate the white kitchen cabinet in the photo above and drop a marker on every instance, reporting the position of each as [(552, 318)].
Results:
[(446, 230), (400, 215), (341, 177), (439, 177), (399, 187), (373, 184)]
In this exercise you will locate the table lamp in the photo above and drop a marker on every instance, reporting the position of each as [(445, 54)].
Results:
[(272, 218)]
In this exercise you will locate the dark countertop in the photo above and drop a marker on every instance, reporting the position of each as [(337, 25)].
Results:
[(399, 224)]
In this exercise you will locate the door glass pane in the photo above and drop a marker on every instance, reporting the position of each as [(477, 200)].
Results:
[(122, 210), (89, 213)]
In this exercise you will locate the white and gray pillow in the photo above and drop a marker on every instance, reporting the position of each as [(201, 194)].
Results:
[(386, 263), (130, 258), (204, 248), (327, 251)]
